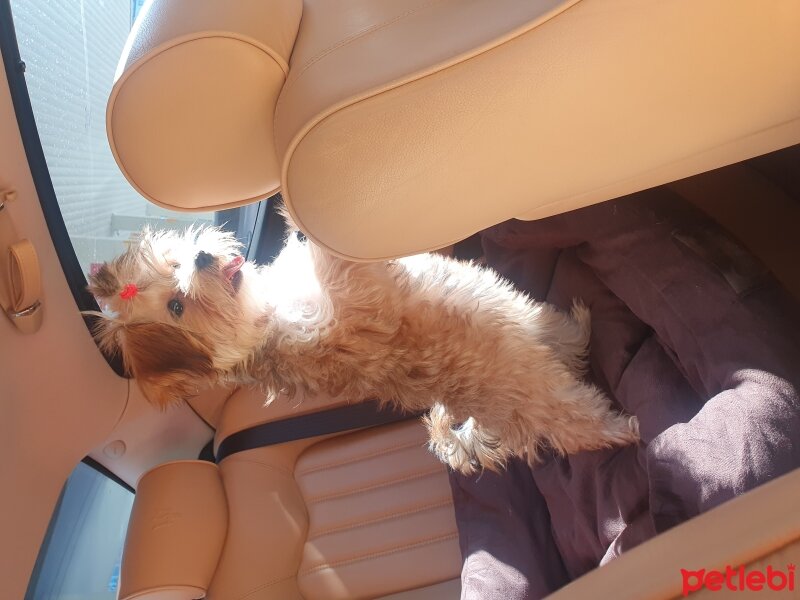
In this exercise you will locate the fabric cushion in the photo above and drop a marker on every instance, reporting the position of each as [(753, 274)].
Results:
[(692, 335)]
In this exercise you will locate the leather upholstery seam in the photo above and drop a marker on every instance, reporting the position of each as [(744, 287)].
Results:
[(348, 461), (379, 554), (374, 486), (382, 518), (267, 584), (264, 465), (353, 37), (290, 81)]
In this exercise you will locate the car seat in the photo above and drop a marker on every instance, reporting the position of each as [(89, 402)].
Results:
[(363, 514)]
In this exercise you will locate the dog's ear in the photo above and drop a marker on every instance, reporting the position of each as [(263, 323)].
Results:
[(169, 364), (103, 283), (106, 331), (289, 223)]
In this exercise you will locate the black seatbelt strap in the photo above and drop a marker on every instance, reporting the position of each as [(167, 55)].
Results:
[(334, 420)]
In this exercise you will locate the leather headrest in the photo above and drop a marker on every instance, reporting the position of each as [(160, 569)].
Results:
[(405, 126), (176, 532), (190, 116)]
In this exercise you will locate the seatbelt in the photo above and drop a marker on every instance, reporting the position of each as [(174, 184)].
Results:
[(334, 420)]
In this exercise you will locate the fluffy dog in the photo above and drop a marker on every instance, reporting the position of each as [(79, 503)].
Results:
[(498, 373)]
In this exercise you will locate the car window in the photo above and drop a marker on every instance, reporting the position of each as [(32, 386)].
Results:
[(70, 50), (60, 58), (81, 554)]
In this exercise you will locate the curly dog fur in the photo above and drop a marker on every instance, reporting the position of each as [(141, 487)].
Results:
[(499, 374)]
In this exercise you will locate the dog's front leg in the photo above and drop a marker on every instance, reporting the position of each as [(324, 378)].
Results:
[(465, 446)]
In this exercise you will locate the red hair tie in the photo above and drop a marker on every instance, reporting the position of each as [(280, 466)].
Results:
[(129, 291)]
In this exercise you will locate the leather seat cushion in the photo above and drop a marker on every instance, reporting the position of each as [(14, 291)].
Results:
[(380, 515), (357, 515)]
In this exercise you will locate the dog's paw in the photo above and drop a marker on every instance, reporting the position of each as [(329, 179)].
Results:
[(633, 428), (620, 430), (464, 446)]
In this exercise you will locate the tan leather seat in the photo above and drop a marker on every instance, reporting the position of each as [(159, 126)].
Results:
[(369, 115), (365, 514), (368, 515)]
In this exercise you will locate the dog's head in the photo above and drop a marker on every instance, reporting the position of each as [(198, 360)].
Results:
[(178, 308)]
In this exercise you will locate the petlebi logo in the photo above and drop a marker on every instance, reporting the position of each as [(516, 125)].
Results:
[(739, 579)]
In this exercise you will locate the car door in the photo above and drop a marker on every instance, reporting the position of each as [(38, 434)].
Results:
[(65, 202)]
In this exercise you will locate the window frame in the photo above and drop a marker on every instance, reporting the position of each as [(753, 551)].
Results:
[(34, 152), (14, 66)]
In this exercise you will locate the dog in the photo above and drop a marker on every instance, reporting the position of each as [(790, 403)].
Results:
[(498, 374)]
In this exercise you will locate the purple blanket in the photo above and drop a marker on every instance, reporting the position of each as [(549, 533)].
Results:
[(692, 335)]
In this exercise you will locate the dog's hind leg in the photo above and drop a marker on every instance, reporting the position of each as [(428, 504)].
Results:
[(593, 423)]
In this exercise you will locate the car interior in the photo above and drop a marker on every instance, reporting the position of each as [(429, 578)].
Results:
[(513, 134)]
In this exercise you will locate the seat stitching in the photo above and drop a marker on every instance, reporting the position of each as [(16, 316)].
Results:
[(348, 461), (358, 34), (374, 486), (264, 465), (291, 81), (265, 585), (382, 518), (374, 555)]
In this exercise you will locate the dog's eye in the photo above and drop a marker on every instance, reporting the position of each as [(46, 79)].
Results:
[(175, 307), (175, 265)]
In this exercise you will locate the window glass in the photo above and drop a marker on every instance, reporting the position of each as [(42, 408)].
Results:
[(81, 555), (70, 49)]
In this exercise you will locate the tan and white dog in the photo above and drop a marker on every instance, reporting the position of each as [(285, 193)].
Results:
[(499, 374)]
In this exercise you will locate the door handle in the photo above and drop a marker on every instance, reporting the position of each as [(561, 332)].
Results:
[(20, 273)]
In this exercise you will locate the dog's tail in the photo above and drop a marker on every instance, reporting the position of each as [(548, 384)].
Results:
[(568, 335), (582, 323)]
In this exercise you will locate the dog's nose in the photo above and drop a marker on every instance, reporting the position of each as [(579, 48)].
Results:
[(203, 259)]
